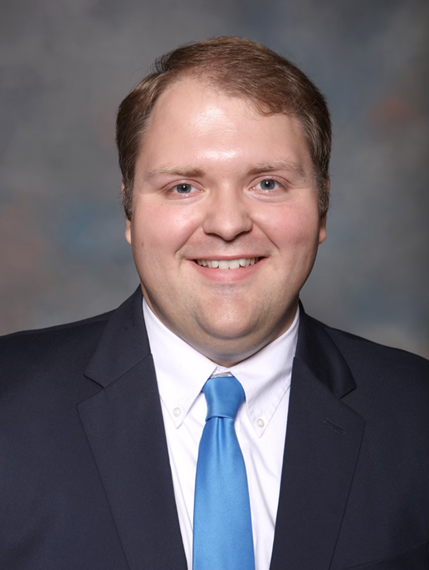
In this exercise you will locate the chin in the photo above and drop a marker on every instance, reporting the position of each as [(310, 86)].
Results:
[(231, 343), (226, 323)]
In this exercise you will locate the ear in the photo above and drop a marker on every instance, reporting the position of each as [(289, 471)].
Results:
[(322, 229), (127, 221)]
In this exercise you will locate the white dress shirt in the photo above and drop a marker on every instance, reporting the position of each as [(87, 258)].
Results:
[(260, 424)]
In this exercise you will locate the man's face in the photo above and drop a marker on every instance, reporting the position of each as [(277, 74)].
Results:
[(225, 224)]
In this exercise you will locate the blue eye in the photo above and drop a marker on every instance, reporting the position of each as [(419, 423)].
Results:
[(183, 188), (267, 184)]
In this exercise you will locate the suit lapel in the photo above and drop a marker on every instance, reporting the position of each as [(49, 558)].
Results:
[(125, 430), (322, 447)]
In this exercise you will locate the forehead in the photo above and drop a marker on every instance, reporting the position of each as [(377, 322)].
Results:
[(193, 118)]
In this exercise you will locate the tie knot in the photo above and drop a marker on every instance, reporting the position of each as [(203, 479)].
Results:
[(224, 395)]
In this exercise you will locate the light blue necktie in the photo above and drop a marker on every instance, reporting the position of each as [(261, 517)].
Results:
[(222, 523)]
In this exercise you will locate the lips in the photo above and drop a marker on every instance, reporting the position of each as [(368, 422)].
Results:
[(228, 263)]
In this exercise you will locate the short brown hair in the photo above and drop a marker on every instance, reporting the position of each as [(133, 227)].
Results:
[(240, 68)]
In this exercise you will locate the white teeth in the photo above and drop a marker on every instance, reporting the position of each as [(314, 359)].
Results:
[(228, 263), (233, 264)]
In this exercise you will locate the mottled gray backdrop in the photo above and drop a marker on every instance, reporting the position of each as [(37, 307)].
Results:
[(64, 67)]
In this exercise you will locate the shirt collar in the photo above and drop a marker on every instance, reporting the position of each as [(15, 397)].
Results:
[(182, 372)]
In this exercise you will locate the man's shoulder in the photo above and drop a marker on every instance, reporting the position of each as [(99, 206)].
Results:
[(368, 360), (36, 356), (63, 352), (356, 346), (52, 336)]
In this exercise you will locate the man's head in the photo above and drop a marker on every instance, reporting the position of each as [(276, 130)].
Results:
[(225, 216), (240, 68)]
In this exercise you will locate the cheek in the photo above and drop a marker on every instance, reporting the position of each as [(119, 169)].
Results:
[(293, 227), (160, 231)]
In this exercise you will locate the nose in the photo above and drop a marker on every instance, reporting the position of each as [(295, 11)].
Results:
[(227, 215)]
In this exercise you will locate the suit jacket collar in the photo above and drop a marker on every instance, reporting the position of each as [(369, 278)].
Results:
[(319, 353), (123, 345)]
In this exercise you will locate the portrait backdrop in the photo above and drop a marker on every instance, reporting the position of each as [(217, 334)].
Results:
[(66, 65)]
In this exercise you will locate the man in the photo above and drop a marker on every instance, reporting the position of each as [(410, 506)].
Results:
[(224, 151)]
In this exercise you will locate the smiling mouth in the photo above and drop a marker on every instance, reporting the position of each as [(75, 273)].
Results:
[(228, 263)]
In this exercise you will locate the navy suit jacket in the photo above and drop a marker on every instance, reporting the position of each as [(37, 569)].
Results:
[(85, 480)]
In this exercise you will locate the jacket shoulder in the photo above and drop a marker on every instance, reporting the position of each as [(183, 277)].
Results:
[(28, 354), (369, 360), (356, 345), (56, 328)]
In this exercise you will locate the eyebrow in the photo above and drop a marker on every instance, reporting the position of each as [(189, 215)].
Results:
[(175, 171), (293, 167), (190, 172)]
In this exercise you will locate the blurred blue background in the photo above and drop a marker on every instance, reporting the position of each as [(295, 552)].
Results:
[(66, 65)]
